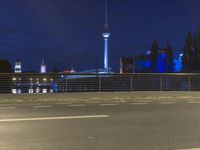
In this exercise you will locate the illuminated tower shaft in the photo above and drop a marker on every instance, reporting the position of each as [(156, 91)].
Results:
[(106, 36)]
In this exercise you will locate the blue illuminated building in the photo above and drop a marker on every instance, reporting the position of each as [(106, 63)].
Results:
[(161, 66), (143, 63)]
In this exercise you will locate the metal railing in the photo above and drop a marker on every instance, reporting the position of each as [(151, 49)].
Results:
[(55, 83)]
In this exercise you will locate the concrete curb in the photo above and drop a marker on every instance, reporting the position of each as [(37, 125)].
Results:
[(106, 96)]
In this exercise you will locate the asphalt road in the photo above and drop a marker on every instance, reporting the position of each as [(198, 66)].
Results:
[(102, 126)]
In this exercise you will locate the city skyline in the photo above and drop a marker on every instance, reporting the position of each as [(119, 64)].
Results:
[(68, 33)]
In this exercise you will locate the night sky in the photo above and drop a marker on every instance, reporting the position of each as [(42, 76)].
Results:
[(69, 32)]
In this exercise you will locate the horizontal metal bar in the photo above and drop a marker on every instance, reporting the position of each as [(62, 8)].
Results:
[(96, 74)]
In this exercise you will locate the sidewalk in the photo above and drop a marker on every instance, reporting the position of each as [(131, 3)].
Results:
[(105, 96)]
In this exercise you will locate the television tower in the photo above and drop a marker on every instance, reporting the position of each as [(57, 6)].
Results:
[(106, 36)]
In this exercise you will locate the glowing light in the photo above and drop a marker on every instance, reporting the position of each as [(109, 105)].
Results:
[(178, 65), (72, 71), (44, 90), (148, 52), (14, 91), (19, 91), (37, 90), (30, 91)]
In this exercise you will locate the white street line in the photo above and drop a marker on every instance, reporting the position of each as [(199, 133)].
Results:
[(94, 102), (138, 103), (6, 105), (115, 102), (77, 105), (108, 104), (190, 149), (54, 118), (63, 103), (167, 103), (46, 106), (193, 102), (7, 108), (33, 104)]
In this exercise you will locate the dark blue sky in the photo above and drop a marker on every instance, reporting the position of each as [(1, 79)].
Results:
[(69, 32)]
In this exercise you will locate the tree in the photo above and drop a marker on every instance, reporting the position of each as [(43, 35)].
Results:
[(197, 51), (154, 55), (185, 60), (188, 54), (5, 79), (169, 58), (5, 66), (55, 69)]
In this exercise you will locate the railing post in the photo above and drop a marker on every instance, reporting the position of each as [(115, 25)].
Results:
[(161, 83), (99, 84), (131, 89), (189, 83), (66, 85)]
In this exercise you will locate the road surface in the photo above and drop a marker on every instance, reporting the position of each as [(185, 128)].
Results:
[(101, 126)]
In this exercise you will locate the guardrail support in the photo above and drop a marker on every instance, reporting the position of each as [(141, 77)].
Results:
[(66, 86), (189, 83), (99, 84), (161, 83), (131, 89)]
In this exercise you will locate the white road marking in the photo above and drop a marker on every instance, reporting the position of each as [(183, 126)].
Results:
[(54, 118), (108, 104), (138, 103), (94, 102), (114, 102), (63, 103), (77, 105), (190, 149), (167, 103), (6, 105), (7, 108), (45, 106), (33, 104), (90, 137)]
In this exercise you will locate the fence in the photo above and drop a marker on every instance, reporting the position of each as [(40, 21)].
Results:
[(55, 83)]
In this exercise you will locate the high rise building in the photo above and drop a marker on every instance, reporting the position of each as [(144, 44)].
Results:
[(18, 67), (106, 36), (127, 65), (43, 68)]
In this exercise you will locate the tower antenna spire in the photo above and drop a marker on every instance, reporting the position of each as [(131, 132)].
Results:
[(106, 36), (106, 16)]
